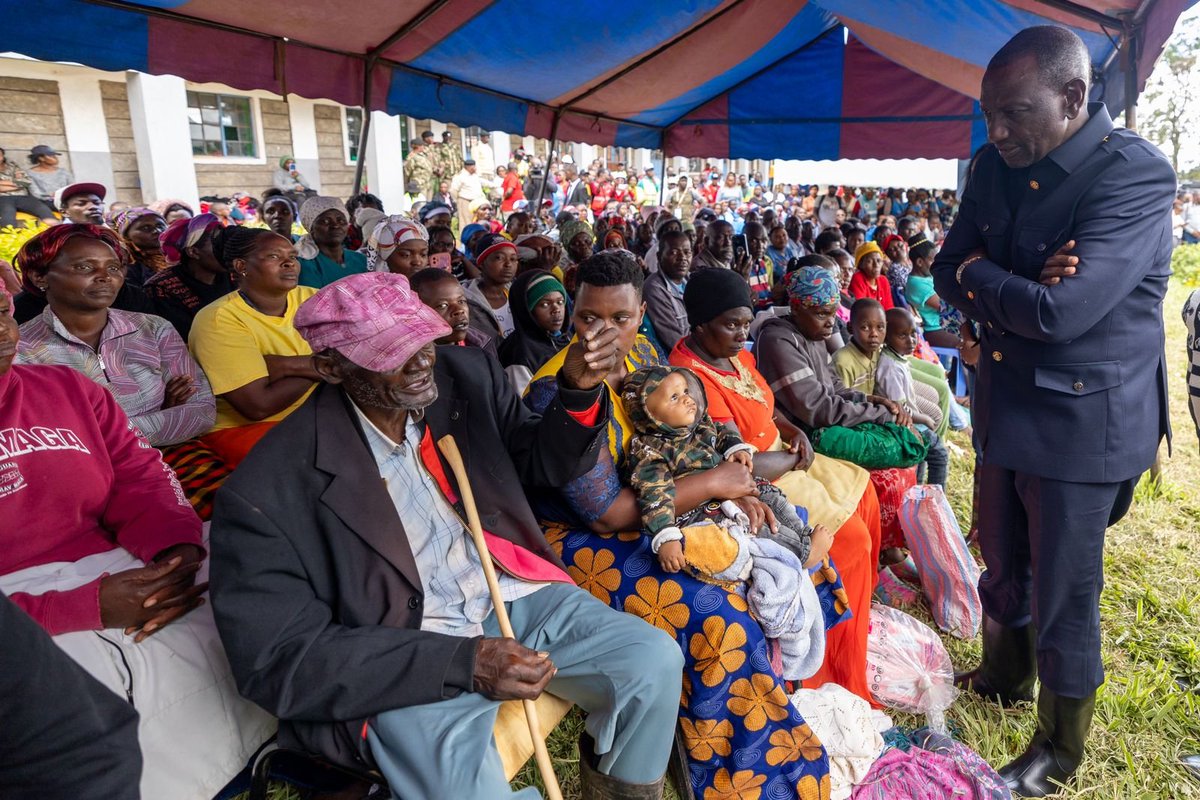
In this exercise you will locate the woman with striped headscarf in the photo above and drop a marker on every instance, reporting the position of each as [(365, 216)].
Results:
[(398, 245)]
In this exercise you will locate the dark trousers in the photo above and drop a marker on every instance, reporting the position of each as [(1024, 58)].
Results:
[(10, 204), (1043, 548)]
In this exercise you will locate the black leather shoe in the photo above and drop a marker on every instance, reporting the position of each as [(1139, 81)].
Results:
[(1009, 666), (1056, 751)]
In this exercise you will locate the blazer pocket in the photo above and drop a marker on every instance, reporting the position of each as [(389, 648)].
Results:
[(994, 230), (1079, 380), (1072, 411), (1038, 242)]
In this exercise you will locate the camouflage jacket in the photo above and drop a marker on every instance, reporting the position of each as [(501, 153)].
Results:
[(659, 454), (417, 167), (448, 160)]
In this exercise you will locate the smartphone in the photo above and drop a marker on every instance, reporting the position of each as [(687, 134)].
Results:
[(740, 247), (440, 261)]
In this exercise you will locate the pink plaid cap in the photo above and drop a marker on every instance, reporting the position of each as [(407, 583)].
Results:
[(372, 318)]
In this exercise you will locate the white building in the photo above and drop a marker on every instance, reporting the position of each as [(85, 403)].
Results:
[(148, 137)]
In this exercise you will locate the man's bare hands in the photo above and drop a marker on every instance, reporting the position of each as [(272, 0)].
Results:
[(505, 669), (1059, 266), (590, 358)]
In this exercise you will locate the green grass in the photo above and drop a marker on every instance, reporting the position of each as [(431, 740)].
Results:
[(1148, 713)]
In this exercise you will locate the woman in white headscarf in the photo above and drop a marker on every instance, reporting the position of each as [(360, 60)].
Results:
[(323, 254), (397, 245)]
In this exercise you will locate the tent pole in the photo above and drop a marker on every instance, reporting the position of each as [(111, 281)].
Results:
[(1129, 67), (662, 185), (362, 152), (537, 212), (366, 128)]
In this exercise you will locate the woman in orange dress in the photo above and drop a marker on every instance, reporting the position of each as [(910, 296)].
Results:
[(835, 493)]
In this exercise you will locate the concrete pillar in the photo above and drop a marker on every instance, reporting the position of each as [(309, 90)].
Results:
[(501, 148), (385, 167), (587, 154), (87, 132), (304, 139), (158, 111)]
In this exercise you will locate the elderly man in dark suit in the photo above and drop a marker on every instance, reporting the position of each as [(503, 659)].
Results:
[(351, 601), (1061, 252)]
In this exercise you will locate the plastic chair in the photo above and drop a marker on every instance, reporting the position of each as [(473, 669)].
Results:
[(952, 362)]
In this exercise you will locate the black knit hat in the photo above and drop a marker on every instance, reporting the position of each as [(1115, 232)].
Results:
[(712, 292)]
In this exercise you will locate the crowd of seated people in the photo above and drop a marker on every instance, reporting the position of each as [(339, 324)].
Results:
[(174, 367)]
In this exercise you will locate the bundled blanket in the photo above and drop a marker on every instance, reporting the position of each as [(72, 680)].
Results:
[(780, 593)]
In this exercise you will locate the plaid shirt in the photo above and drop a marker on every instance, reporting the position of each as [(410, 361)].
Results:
[(456, 593)]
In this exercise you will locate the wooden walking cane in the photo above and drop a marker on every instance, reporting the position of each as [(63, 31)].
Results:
[(449, 449)]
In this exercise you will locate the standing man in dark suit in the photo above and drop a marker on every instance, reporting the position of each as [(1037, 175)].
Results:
[(351, 601), (576, 190), (1061, 252)]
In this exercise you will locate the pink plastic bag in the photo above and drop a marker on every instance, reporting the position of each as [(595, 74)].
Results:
[(949, 575), (908, 667)]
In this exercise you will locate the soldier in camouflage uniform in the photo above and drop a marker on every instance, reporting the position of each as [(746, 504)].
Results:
[(451, 157), (434, 157), (418, 167)]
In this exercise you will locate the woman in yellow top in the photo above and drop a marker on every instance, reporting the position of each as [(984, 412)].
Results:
[(259, 367)]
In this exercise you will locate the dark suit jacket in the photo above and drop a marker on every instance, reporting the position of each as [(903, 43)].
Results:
[(1072, 377), (578, 193), (314, 587)]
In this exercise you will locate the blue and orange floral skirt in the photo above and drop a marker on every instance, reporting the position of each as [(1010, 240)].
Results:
[(745, 741)]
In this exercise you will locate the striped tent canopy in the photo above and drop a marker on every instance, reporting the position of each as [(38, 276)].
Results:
[(802, 79)]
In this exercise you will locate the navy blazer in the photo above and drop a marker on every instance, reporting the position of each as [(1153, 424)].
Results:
[(314, 586), (1072, 377)]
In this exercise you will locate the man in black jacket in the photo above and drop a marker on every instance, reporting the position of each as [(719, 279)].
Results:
[(350, 599), (1061, 252)]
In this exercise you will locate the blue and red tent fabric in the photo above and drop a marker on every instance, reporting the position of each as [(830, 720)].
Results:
[(803, 79)]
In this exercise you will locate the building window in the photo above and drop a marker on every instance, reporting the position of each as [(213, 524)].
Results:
[(353, 119), (221, 125), (471, 136)]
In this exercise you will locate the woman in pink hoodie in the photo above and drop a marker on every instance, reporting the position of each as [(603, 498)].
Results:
[(103, 550)]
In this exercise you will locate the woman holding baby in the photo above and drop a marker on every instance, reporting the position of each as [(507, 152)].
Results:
[(739, 726)]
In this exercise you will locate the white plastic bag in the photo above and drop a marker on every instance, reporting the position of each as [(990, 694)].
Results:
[(908, 667)]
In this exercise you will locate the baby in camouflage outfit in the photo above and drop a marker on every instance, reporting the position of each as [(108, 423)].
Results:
[(674, 437)]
